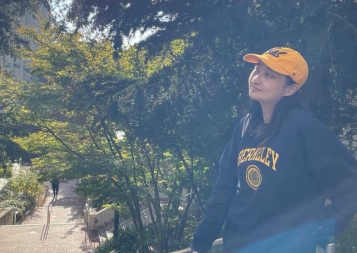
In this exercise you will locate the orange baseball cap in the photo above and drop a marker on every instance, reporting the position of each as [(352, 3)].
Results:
[(285, 61)]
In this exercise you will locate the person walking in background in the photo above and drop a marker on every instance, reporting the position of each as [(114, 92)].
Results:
[(278, 170), (55, 185)]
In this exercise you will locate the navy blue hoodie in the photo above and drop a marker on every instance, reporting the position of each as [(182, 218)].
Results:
[(272, 197)]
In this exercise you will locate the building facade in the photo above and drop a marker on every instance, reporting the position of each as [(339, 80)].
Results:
[(18, 67)]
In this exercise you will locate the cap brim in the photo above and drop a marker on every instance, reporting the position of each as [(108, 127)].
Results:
[(255, 58)]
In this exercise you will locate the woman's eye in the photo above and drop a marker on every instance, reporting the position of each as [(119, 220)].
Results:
[(269, 75)]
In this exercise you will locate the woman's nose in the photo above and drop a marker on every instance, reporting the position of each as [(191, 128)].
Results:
[(255, 79)]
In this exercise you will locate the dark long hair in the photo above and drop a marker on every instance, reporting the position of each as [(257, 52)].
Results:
[(257, 127)]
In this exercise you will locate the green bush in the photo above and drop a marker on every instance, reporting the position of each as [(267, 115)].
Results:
[(18, 201), (347, 242), (127, 242)]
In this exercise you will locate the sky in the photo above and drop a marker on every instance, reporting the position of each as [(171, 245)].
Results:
[(59, 11)]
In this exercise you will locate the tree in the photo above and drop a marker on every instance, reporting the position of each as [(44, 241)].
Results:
[(10, 151), (169, 19), (23, 192), (74, 110), (318, 29), (26, 182), (346, 242), (11, 13)]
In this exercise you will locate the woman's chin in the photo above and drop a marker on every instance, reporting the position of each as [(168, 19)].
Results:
[(253, 96)]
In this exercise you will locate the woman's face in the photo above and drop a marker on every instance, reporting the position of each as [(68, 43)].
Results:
[(267, 86)]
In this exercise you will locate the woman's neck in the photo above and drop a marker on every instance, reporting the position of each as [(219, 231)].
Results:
[(267, 111)]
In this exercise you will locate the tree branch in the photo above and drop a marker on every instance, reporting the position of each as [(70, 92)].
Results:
[(192, 180), (62, 142)]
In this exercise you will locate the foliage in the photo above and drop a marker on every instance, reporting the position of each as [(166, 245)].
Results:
[(227, 29), (11, 13), (74, 104), (168, 19), (9, 150), (127, 242), (22, 191), (346, 242), (17, 200), (192, 106), (25, 181)]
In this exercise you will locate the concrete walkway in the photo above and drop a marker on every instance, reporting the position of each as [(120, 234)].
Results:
[(65, 233)]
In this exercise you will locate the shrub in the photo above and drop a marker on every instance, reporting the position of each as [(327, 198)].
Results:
[(127, 242)]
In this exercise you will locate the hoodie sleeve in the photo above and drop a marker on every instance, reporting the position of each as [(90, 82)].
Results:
[(223, 192), (334, 170)]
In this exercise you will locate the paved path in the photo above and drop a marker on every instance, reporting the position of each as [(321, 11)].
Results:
[(65, 234)]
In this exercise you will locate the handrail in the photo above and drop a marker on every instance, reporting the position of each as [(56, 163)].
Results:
[(330, 248), (46, 226), (97, 238), (49, 210), (47, 187), (131, 220), (103, 235), (216, 244), (86, 237)]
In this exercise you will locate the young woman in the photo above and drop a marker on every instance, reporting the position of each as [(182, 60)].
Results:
[(278, 170)]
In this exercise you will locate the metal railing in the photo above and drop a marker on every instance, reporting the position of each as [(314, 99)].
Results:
[(330, 248), (145, 217), (47, 225), (102, 237), (49, 210), (216, 245)]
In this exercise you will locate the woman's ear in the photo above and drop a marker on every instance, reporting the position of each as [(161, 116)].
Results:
[(291, 89)]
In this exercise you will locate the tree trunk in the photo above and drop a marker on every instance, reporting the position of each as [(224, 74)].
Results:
[(116, 225)]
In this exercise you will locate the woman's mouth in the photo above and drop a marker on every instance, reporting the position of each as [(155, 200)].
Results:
[(252, 88)]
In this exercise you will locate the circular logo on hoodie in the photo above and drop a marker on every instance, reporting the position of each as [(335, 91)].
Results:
[(253, 176)]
